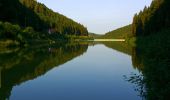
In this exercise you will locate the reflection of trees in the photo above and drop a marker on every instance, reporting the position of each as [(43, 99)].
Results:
[(137, 60), (119, 46), (26, 64), (138, 81), (153, 60), (151, 57)]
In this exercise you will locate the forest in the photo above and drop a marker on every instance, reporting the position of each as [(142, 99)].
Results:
[(19, 16), (152, 19)]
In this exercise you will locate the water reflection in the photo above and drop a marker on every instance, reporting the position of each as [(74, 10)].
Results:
[(153, 61), (98, 75), (100, 67), (119, 46), (20, 65)]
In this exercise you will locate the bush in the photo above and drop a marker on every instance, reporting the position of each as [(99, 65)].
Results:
[(1, 29), (10, 31), (29, 32)]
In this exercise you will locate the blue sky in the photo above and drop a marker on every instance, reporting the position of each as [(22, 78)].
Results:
[(99, 16)]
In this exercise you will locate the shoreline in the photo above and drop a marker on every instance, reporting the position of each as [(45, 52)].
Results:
[(108, 40)]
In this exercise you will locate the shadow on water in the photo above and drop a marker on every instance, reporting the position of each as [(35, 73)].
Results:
[(151, 57), (20, 65)]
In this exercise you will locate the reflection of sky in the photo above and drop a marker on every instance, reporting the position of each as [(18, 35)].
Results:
[(96, 75), (99, 16)]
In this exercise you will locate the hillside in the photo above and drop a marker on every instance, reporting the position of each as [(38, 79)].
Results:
[(94, 35), (119, 33), (32, 16)]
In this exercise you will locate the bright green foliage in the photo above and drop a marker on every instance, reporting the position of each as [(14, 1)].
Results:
[(8, 30), (13, 32), (152, 19)]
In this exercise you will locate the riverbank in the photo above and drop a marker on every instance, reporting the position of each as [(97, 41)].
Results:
[(15, 35)]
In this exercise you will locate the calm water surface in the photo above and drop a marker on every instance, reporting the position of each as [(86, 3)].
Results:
[(79, 72)]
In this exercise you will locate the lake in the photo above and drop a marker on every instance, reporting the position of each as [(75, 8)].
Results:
[(68, 72)]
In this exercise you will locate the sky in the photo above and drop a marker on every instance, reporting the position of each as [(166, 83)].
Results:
[(99, 16)]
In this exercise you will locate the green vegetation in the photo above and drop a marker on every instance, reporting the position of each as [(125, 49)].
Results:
[(121, 33), (152, 19), (26, 20), (13, 34), (151, 33)]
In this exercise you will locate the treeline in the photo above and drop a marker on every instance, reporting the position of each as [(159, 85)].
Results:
[(152, 19), (30, 13), (14, 35)]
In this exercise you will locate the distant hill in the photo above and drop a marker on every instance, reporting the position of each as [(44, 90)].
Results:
[(119, 33), (94, 35)]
